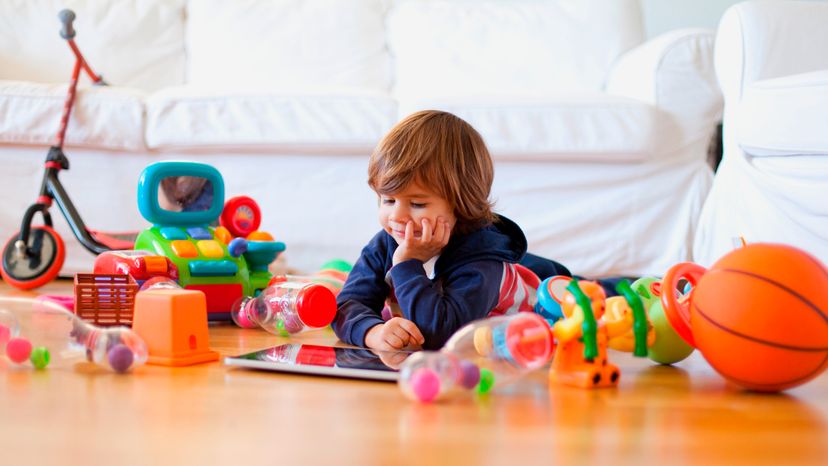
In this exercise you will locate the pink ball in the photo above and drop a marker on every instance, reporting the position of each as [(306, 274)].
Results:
[(18, 349), (425, 384)]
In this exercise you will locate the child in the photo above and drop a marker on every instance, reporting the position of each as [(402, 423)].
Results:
[(442, 258)]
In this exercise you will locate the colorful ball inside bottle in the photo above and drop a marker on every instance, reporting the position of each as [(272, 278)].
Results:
[(469, 374), (487, 380), (425, 384), (120, 358), (18, 350), (40, 357)]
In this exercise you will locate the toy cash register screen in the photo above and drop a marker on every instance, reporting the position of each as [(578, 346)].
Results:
[(185, 194)]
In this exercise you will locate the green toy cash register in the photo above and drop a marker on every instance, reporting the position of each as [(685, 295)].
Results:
[(183, 200)]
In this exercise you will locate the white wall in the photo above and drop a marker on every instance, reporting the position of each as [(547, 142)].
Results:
[(664, 15)]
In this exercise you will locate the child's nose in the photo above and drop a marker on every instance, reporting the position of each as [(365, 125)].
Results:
[(399, 212)]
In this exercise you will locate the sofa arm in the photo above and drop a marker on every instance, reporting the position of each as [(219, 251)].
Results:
[(760, 40), (673, 72)]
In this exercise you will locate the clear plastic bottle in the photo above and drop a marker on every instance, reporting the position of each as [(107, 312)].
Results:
[(287, 307), (481, 356), (159, 283), (45, 334)]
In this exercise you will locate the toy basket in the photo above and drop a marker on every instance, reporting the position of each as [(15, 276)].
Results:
[(105, 300)]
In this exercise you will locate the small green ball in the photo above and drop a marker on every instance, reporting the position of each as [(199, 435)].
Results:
[(280, 327), (487, 380), (40, 357)]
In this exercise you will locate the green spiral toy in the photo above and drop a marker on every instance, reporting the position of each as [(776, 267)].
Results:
[(639, 317), (590, 326)]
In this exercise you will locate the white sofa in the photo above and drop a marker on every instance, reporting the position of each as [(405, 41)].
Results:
[(772, 184), (599, 137)]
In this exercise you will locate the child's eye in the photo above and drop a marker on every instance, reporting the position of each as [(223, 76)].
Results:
[(418, 205), (388, 201)]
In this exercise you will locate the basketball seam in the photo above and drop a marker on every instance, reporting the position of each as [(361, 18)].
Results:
[(754, 339), (780, 285)]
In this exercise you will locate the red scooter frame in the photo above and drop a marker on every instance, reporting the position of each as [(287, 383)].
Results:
[(35, 255)]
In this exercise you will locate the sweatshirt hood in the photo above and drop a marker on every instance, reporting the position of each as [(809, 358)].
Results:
[(502, 241)]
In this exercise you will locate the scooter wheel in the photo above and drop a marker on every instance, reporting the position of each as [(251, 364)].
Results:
[(41, 263)]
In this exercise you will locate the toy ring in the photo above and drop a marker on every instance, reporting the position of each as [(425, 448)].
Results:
[(678, 310)]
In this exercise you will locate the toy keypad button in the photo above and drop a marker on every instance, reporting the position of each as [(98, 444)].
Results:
[(212, 268), (172, 233), (183, 248), (199, 233), (223, 235), (210, 248)]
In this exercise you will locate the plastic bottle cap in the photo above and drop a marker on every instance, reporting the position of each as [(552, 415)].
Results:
[(316, 305)]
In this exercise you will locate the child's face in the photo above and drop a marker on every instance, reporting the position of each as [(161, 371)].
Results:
[(414, 203)]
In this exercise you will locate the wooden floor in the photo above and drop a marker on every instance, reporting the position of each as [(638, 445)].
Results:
[(212, 414)]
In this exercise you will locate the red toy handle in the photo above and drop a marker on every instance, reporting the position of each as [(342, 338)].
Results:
[(678, 310)]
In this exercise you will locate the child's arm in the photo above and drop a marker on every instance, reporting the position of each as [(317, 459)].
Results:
[(440, 308), (360, 302)]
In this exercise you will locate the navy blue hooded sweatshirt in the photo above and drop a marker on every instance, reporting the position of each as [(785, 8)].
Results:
[(465, 287)]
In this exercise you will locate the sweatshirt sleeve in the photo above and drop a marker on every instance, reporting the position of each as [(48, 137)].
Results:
[(440, 308), (360, 302)]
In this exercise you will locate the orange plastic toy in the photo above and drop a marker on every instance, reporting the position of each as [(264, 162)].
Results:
[(573, 365), (759, 315), (173, 324)]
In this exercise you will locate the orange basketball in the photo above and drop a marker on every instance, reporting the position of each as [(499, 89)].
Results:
[(759, 316)]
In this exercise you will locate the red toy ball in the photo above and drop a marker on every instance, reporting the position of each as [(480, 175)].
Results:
[(759, 316), (18, 350)]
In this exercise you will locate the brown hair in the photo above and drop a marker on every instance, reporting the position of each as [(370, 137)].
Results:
[(443, 153)]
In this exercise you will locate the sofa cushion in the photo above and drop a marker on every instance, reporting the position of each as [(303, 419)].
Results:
[(133, 43), (102, 117), (785, 116), (462, 47), (582, 126), (283, 44), (192, 117)]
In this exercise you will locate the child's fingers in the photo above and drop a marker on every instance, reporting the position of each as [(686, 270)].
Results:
[(394, 341), (425, 236), (400, 333), (413, 331), (409, 231), (446, 231), (441, 233)]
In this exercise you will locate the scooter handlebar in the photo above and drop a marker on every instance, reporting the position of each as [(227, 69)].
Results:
[(67, 17)]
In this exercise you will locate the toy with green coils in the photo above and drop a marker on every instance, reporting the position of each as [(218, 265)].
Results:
[(587, 329), (664, 346), (183, 200)]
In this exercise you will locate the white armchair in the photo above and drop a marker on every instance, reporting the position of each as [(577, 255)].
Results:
[(772, 184)]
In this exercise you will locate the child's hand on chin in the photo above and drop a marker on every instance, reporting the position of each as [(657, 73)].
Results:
[(393, 335), (428, 245)]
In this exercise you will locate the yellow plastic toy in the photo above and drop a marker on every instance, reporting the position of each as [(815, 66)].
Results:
[(619, 320)]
